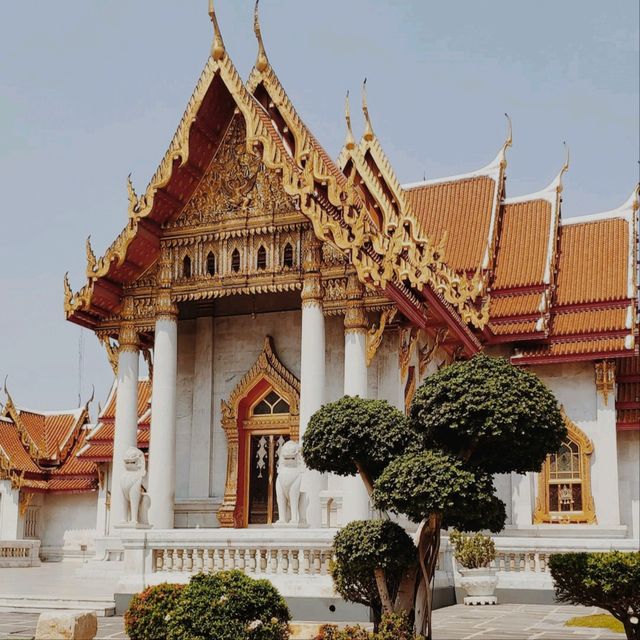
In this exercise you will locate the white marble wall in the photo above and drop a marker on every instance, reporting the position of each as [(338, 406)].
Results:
[(10, 528), (629, 478), (67, 520)]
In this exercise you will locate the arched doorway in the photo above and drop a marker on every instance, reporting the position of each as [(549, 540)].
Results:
[(261, 414)]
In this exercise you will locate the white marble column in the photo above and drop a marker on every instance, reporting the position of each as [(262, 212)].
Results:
[(162, 447), (355, 499), (9, 511), (126, 427), (312, 368), (605, 487), (521, 499)]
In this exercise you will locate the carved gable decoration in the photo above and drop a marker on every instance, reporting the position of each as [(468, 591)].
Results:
[(235, 184)]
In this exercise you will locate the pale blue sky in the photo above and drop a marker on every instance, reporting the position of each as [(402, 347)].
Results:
[(91, 90)]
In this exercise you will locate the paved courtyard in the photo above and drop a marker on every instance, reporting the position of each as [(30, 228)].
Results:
[(501, 622)]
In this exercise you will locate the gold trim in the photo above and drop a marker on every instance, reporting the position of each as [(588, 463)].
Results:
[(588, 513), (376, 331), (408, 341), (267, 367), (605, 378)]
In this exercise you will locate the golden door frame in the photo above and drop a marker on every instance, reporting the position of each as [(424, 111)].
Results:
[(266, 374), (587, 515)]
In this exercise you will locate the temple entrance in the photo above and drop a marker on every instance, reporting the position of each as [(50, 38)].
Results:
[(259, 418), (263, 472)]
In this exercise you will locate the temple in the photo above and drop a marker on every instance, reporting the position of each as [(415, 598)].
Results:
[(260, 279)]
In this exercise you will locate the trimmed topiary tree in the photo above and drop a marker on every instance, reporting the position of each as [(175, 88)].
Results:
[(229, 605), (608, 580), (370, 559), (146, 616), (468, 421)]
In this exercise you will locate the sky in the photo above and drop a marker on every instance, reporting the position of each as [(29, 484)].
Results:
[(92, 90)]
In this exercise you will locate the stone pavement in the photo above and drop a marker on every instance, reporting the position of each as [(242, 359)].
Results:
[(500, 622), (515, 622)]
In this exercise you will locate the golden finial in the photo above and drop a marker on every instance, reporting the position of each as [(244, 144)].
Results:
[(565, 167), (261, 63), (509, 140), (217, 48), (91, 257), (368, 130), (350, 142), (68, 293)]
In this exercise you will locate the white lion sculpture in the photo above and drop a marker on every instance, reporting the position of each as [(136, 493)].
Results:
[(291, 501), (131, 482)]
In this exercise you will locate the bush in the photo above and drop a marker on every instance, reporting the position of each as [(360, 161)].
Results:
[(145, 619), (371, 432), (393, 627), (473, 552), (608, 580), (360, 548), (479, 409), (229, 605)]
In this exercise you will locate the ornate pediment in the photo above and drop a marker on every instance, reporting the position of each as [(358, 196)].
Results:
[(236, 186)]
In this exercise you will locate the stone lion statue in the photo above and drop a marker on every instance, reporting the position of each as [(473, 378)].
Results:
[(291, 501), (131, 482)]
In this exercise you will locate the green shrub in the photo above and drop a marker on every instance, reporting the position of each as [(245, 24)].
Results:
[(371, 432), (608, 580), (229, 605), (393, 627), (359, 549), (145, 619), (473, 552)]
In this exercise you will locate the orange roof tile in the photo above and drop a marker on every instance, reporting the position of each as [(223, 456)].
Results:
[(574, 348), (518, 304), (593, 261), (462, 209), (48, 431), (522, 251), (13, 448), (513, 328), (589, 321)]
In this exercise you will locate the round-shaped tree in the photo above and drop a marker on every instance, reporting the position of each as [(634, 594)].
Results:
[(370, 559), (467, 422)]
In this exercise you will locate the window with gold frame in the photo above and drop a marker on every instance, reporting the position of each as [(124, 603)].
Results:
[(564, 482)]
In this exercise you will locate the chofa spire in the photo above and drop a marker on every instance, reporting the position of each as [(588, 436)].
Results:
[(217, 48), (368, 129), (262, 62), (350, 142)]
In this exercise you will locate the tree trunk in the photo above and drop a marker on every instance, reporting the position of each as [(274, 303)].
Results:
[(383, 590), (428, 538)]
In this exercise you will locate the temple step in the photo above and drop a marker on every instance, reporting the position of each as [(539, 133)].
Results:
[(36, 604)]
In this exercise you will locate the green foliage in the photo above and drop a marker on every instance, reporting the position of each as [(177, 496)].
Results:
[(418, 484), (608, 580), (145, 619), (363, 546), (229, 605), (371, 432), (492, 415), (393, 627), (473, 552)]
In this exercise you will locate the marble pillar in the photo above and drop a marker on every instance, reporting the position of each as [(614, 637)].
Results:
[(355, 496), (312, 368), (126, 427), (162, 447)]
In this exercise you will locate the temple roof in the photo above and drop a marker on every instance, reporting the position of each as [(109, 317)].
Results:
[(453, 250), (98, 446), (38, 449)]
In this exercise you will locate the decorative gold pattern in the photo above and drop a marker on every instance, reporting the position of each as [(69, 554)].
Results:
[(24, 501), (267, 367), (112, 350), (374, 335), (605, 378), (408, 341), (586, 515), (355, 319), (426, 354)]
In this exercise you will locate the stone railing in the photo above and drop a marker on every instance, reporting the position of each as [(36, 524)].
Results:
[(285, 556), (19, 553)]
